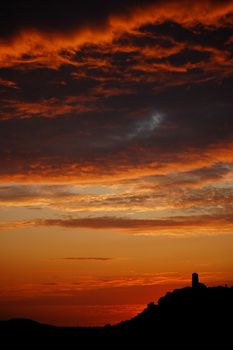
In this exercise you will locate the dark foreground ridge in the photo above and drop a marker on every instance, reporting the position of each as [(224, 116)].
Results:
[(194, 315)]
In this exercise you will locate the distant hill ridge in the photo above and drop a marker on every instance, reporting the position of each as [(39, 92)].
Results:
[(199, 313)]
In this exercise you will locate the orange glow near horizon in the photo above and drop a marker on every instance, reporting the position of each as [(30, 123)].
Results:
[(49, 278)]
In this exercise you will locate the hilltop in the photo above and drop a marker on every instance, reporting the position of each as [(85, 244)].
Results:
[(195, 314)]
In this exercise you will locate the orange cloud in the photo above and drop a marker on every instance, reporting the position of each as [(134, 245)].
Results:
[(204, 186), (49, 108), (54, 48), (8, 83), (119, 167)]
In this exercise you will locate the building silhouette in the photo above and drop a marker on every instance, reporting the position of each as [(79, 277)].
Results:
[(195, 280)]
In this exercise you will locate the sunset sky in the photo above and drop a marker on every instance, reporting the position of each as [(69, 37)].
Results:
[(116, 154)]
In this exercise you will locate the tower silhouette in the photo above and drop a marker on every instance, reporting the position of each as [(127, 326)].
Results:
[(195, 280)]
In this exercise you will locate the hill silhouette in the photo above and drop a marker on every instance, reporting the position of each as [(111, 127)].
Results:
[(194, 315)]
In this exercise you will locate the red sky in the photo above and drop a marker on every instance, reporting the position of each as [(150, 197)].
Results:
[(116, 155)]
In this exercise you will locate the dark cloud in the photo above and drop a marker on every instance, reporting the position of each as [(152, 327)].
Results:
[(39, 35), (218, 223), (22, 193), (68, 15), (88, 107), (195, 178), (213, 173), (141, 224), (88, 258), (105, 141)]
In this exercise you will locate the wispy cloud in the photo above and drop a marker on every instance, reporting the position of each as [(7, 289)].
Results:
[(86, 259), (143, 128), (8, 84)]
